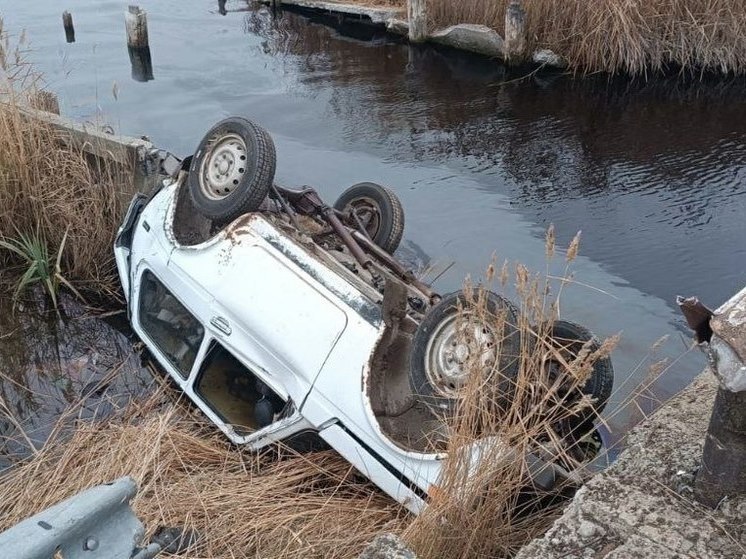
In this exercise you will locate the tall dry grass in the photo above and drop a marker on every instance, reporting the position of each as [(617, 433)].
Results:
[(629, 36), (490, 507), (275, 504), (49, 187)]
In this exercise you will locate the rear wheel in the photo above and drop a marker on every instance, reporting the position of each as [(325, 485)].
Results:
[(379, 211), (569, 339), (232, 169), (452, 339)]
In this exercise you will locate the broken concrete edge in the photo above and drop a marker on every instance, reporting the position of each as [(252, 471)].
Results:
[(478, 39), (642, 505)]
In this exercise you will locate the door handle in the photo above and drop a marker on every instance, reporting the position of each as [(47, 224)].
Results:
[(221, 324)]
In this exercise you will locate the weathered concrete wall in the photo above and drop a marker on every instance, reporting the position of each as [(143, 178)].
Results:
[(478, 39), (387, 546), (138, 159), (642, 505)]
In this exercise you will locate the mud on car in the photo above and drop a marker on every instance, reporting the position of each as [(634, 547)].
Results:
[(279, 315)]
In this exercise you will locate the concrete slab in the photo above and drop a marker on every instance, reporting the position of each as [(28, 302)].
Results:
[(642, 505)]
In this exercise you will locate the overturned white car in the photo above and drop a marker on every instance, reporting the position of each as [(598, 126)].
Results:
[(280, 316)]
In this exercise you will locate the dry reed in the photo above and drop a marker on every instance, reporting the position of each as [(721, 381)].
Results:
[(48, 186), (628, 36), (275, 504), (490, 508)]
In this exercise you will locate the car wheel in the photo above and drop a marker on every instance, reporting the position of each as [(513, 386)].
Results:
[(379, 211), (570, 338), (440, 355), (232, 170)]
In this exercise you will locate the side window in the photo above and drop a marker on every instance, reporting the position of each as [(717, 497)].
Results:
[(238, 396), (169, 324)]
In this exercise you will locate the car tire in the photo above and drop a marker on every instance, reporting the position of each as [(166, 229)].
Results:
[(232, 170), (379, 209), (436, 381), (600, 383)]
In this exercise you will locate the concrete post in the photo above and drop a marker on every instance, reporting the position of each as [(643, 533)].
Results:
[(516, 37), (136, 22), (417, 14), (67, 23)]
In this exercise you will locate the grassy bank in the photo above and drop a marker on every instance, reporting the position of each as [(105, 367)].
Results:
[(51, 194), (636, 37)]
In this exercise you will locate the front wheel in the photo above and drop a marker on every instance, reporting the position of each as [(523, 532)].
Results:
[(232, 170), (454, 341), (377, 209)]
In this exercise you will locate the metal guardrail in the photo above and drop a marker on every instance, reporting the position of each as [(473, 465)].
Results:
[(95, 524)]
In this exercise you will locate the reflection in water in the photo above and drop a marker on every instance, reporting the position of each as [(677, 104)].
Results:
[(142, 65), (653, 173), (50, 364)]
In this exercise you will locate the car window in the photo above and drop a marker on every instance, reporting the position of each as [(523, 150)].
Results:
[(171, 327), (235, 393)]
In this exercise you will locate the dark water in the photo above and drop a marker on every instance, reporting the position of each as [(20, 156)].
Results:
[(70, 363), (653, 174)]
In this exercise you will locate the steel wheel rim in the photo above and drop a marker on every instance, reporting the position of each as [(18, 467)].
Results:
[(448, 354), (223, 167), (369, 213)]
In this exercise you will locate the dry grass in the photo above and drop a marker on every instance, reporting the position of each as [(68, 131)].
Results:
[(49, 187), (634, 36), (276, 504), (489, 508)]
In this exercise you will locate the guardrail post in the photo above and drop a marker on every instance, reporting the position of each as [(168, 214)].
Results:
[(417, 14), (723, 469), (722, 335)]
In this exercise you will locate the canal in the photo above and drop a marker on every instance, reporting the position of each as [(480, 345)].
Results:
[(653, 173)]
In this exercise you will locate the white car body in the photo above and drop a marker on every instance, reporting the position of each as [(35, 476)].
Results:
[(300, 327)]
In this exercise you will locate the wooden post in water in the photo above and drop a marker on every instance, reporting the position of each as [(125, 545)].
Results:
[(136, 22), (67, 23), (275, 4), (417, 15), (515, 33)]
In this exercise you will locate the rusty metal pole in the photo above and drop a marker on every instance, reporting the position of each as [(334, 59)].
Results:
[(722, 335)]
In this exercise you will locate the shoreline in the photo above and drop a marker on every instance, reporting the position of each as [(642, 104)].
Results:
[(472, 38)]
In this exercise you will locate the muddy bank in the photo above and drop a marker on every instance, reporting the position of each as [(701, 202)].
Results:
[(642, 506)]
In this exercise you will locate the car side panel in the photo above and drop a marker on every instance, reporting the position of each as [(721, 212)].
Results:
[(371, 467), (273, 318), (340, 392)]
